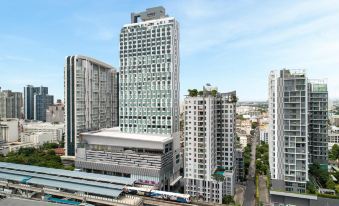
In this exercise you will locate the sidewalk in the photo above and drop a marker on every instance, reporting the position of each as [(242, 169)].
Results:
[(263, 194)]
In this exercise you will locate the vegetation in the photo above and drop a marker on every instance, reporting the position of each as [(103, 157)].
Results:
[(262, 162), (218, 177), (234, 98), (43, 156), (334, 152), (254, 125), (310, 188), (193, 92), (214, 92), (228, 199), (321, 175), (257, 188)]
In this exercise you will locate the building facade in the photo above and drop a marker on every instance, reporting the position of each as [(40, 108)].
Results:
[(149, 77), (142, 157), (56, 113), (209, 131), (91, 102), (10, 104), (36, 101), (9, 130), (297, 127)]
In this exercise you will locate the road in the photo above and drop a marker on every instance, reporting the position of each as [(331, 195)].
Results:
[(249, 197)]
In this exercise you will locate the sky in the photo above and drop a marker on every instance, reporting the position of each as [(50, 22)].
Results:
[(230, 44)]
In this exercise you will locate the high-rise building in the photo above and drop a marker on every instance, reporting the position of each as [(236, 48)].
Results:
[(149, 76), (148, 107), (297, 128), (209, 130), (36, 102), (91, 90), (10, 104)]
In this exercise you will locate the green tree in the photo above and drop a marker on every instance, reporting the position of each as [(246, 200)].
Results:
[(310, 188), (214, 92), (218, 177), (330, 184), (228, 199)]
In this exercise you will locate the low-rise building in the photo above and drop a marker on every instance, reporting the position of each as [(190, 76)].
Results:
[(14, 147), (57, 130), (143, 157), (37, 138)]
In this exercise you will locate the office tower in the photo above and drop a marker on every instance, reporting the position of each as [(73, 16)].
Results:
[(36, 102), (209, 131), (55, 113), (297, 128), (149, 76), (41, 104), (90, 98), (10, 104)]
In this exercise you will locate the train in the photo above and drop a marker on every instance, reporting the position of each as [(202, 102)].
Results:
[(148, 192)]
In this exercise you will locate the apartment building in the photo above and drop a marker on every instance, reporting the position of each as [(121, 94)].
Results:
[(297, 127), (91, 98), (209, 131)]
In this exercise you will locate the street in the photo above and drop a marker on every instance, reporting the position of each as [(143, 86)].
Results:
[(249, 197)]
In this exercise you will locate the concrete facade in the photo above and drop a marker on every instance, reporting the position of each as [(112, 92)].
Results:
[(10, 104), (209, 130), (297, 126), (91, 98), (142, 157)]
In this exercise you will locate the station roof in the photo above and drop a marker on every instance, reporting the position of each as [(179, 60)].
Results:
[(72, 180), (73, 175)]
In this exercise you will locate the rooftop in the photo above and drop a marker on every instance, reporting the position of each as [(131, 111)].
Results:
[(114, 137)]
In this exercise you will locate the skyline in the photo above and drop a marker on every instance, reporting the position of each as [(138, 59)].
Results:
[(217, 37)]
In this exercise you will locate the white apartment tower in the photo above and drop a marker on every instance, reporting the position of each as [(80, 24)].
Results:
[(91, 98), (209, 131), (297, 128), (149, 76)]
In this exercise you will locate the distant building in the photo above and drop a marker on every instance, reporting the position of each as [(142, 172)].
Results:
[(9, 130), (263, 133), (209, 131), (297, 128), (56, 113), (333, 137), (38, 138), (36, 102), (14, 147), (10, 104), (91, 98), (243, 141), (56, 130)]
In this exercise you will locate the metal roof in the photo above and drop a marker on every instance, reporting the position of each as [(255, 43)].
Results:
[(53, 177), (67, 173), (75, 187), (12, 177)]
